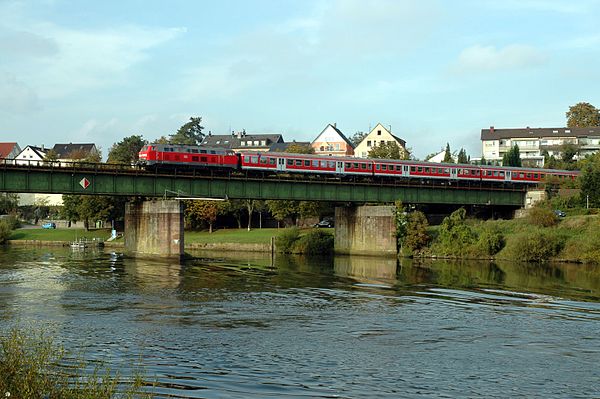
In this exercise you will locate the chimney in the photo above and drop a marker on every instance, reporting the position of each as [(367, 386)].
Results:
[(232, 133), (335, 125), (42, 147), (239, 135), (209, 133), (491, 129), (243, 132)]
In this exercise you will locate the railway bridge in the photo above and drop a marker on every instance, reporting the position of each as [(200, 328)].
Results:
[(157, 227)]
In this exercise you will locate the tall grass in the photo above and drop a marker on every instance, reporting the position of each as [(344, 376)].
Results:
[(32, 366)]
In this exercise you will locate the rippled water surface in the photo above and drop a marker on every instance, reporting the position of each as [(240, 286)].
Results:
[(254, 327)]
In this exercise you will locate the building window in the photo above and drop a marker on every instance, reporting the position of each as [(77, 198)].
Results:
[(379, 132), (368, 143), (242, 143), (256, 142), (263, 143)]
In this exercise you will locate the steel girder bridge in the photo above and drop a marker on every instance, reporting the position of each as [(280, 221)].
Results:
[(111, 180)]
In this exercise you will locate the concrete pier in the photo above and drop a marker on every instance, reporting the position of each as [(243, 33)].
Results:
[(154, 228), (365, 230)]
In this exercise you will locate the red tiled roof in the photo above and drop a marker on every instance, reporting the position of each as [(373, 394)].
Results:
[(6, 148)]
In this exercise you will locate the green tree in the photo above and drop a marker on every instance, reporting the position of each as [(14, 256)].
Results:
[(189, 134), (568, 151), (198, 212), (462, 156), (589, 180), (583, 115), (357, 137), (126, 151), (454, 235), (417, 237), (283, 210), (297, 148), (51, 155), (251, 206), (389, 150), (512, 157), (90, 208), (8, 203), (448, 155)]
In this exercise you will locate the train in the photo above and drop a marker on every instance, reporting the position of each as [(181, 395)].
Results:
[(165, 156)]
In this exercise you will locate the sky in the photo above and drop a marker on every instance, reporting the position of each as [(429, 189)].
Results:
[(436, 71)]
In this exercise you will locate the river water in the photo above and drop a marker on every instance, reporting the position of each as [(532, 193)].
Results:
[(254, 327)]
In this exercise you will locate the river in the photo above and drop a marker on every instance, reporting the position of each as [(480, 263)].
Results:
[(247, 326)]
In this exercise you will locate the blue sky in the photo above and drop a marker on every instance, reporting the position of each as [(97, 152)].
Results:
[(436, 71)]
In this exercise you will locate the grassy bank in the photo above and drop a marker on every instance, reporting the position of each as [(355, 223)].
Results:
[(537, 238), (58, 234), (243, 236)]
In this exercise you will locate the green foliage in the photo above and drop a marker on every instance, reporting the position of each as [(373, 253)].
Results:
[(285, 241), (462, 156), (401, 220), (315, 242), (417, 237), (288, 211), (589, 179), (126, 151), (448, 155), (32, 366), (357, 137), (90, 208), (512, 157), (583, 115), (584, 247), (490, 241), (8, 203), (542, 216), (197, 213), (189, 134), (389, 150), (5, 230), (51, 155), (454, 235), (533, 246), (297, 148)]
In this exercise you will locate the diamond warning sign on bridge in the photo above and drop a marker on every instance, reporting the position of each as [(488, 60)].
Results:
[(85, 183)]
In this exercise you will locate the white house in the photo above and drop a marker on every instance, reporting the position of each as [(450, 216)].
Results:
[(378, 135), (31, 155)]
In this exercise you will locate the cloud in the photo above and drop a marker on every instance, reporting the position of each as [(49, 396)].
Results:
[(92, 129), (20, 43), (489, 58), (556, 6), (16, 96)]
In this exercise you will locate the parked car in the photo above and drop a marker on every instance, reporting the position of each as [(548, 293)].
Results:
[(49, 225), (559, 213), (324, 223)]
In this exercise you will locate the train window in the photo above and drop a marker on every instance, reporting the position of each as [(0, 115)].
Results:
[(332, 164), (412, 168), (194, 159), (290, 162), (298, 162), (202, 151), (306, 162), (521, 175), (383, 167), (194, 150), (272, 161), (419, 169), (529, 175), (263, 160), (501, 173), (426, 170), (535, 175), (347, 165), (377, 167), (202, 159), (542, 175), (212, 152), (446, 170), (315, 163), (323, 164), (355, 165), (255, 159), (363, 166)]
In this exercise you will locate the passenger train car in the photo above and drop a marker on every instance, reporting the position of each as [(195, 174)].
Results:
[(161, 156)]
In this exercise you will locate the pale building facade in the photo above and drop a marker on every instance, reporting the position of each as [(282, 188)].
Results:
[(31, 155), (331, 141), (533, 142), (378, 135)]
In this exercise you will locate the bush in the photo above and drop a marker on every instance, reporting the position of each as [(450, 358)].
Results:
[(316, 242), (534, 246), (5, 230), (541, 216), (455, 237), (31, 366), (285, 241), (490, 241), (416, 236)]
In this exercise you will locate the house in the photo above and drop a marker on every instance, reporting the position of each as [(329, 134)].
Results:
[(533, 142), (31, 155), (9, 150), (378, 135), (439, 157), (242, 141), (331, 141), (74, 152)]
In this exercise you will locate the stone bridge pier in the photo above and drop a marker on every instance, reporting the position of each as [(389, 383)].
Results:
[(154, 229), (365, 230)]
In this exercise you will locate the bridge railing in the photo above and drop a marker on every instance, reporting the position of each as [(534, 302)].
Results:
[(52, 164)]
